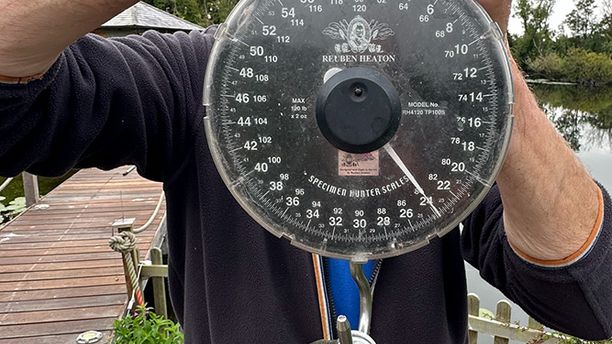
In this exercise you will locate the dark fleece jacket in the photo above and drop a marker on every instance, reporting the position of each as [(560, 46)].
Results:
[(137, 100)]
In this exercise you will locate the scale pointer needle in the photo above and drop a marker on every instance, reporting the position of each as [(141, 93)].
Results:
[(404, 169)]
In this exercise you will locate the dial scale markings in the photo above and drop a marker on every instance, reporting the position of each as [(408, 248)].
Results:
[(269, 67)]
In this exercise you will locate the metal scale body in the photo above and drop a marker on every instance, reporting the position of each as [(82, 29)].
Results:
[(358, 129)]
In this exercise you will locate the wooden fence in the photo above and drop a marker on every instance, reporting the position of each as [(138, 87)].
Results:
[(503, 329)]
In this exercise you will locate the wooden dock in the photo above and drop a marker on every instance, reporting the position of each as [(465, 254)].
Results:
[(58, 277)]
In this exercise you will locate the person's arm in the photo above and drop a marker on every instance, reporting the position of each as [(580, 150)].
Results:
[(550, 200), (102, 102), (551, 203), (542, 235), (35, 32)]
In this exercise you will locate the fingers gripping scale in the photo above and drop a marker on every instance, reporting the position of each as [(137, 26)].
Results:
[(358, 129)]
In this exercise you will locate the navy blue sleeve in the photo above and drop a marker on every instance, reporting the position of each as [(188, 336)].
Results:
[(106, 103), (575, 299)]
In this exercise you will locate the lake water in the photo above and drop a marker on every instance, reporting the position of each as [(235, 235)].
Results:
[(584, 118)]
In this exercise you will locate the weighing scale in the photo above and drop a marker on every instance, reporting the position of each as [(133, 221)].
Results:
[(358, 129)]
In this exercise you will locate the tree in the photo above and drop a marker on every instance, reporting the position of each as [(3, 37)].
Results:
[(536, 40), (187, 9), (605, 25), (602, 31), (218, 10), (203, 12), (581, 20), (587, 32)]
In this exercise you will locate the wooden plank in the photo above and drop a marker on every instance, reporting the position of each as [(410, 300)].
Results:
[(54, 251), (109, 210), (59, 235), (41, 231), (94, 182), (56, 328), (34, 229), (509, 330), (30, 188), (64, 250), (59, 274), (125, 186), (473, 310), (125, 191), (76, 187), (93, 263), (50, 294), (63, 303), (60, 204), (102, 237), (51, 266), (54, 339), (56, 244), (33, 239), (127, 197), (140, 213), (82, 313), (46, 238), (94, 187), (159, 286), (63, 221), (58, 258), (503, 315), (75, 281), (15, 227)]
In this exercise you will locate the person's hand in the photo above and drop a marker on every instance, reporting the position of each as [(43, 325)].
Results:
[(499, 10)]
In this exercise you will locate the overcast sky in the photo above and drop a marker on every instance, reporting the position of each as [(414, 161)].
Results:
[(562, 8)]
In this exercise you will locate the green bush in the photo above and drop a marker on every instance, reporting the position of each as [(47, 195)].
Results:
[(578, 65), (146, 327), (549, 66), (587, 67)]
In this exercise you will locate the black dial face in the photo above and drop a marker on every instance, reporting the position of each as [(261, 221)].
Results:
[(358, 128)]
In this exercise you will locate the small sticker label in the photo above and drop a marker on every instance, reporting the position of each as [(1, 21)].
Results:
[(363, 165)]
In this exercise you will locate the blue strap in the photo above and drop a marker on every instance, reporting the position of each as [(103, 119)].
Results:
[(345, 293)]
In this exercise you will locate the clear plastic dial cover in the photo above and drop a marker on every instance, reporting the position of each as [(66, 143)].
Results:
[(447, 65)]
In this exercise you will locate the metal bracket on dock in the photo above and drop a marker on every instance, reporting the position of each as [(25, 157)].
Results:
[(122, 225)]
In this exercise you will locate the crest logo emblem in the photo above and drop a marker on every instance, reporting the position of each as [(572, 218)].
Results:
[(358, 35)]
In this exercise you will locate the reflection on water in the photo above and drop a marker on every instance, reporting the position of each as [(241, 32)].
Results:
[(584, 118)]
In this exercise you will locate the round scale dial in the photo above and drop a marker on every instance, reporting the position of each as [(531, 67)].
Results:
[(358, 129)]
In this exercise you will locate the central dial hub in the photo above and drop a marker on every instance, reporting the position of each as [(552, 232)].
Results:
[(358, 110)]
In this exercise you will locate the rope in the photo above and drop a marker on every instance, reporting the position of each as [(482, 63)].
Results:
[(125, 243), (152, 217)]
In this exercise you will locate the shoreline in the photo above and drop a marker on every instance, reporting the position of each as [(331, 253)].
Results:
[(550, 82)]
